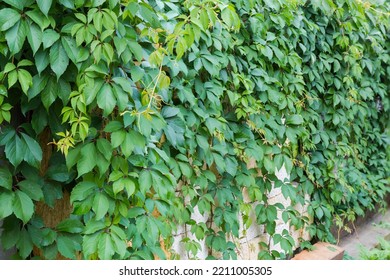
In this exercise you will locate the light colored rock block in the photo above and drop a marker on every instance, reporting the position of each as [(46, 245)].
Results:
[(274, 192), (282, 173)]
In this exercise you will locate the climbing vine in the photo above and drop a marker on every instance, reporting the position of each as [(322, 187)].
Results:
[(135, 114)]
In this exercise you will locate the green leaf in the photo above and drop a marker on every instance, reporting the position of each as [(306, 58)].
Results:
[(3, 90), (51, 191), (12, 78), (278, 53), (24, 244), (5, 114), (34, 37), (5, 178), (67, 246), (11, 233), (90, 244), (8, 18), (124, 83), (269, 165), (108, 52), (288, 163), (16, 36), (59, 60), (70, 225), (271, 213), (145, 181), (186, 169), (129, 186), (32, 189), (122, 97), (102, 164), (44, 6), (117, 138), (106, 99), (50, 93), (202, 142), (285, 244), (105, 247), (49, 236), (204, 19), (220, 162), (136, 73), (113, 126), (63, 90), (115, 175), (50, 252), (15, 150), (270, 228), (49, 37), (82, 190), (227, 18), (73, 157), (33, 153), (294, 119), (137, 138), (100, 205), (25, 62), (25, 80), (67, 3), (6, 202), (96, 3), (319, 212), (39, 18), (231, 166), (104, 147), (58, 173), (118, 186), (291, 135), (135, 212), (136, 49), (18, 4), (71, 48), (6, 135), (41, 60), (87, 160), (181, 47), (23, 206), (127, 145), (97, 21), (119, 241), (113, 3), (93, 226), (267, 52)]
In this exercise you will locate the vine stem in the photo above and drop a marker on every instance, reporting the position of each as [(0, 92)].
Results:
[(155, 85), (156, 79)]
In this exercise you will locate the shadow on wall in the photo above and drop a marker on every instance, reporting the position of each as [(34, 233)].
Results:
[(5, 255)]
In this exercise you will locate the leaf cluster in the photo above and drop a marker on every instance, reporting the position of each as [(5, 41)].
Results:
[(149, 112)]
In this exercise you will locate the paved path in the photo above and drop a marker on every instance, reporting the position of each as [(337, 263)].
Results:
[(366, 234)]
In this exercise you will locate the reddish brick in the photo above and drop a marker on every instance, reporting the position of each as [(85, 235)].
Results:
[(321, 251)]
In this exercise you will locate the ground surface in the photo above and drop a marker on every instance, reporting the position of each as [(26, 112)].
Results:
[(366, 235)]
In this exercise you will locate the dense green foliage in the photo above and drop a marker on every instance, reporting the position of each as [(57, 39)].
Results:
[(143, 110)]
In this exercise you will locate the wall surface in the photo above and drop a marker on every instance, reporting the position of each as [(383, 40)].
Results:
[(248, 242)]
